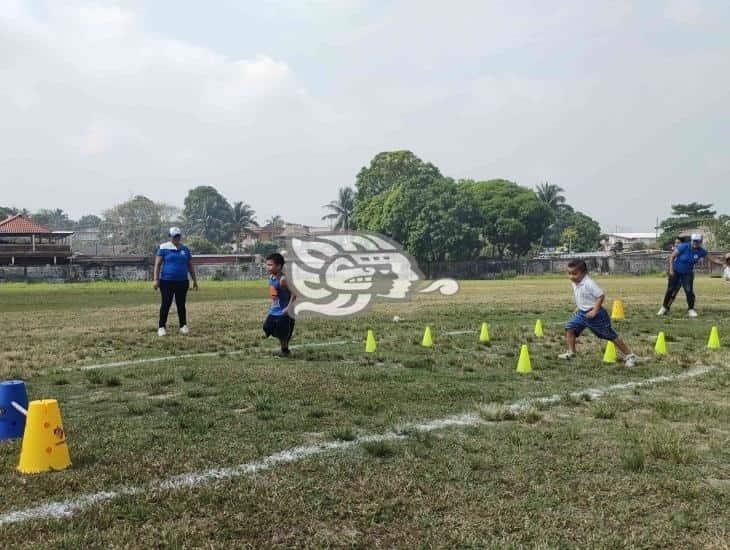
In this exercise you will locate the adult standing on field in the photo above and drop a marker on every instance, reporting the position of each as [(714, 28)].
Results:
[(681, 274), (173, 262)]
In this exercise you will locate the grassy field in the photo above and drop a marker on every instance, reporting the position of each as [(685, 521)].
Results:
[(648, 466)]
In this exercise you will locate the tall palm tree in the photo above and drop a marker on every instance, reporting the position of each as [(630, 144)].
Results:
[(275, 221), (551, 195), (341, 209), (242, 216)]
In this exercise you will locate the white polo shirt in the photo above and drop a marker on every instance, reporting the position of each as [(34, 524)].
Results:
[(726, 273), (586, 292)]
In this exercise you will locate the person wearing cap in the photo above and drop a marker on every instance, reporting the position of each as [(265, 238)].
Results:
[(681, 274), (173, 262)]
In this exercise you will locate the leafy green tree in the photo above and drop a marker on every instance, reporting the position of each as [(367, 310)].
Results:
[(388, 169), (587, 232), (684, 217), (242, 216), (341, 210), (511, 218), (7, 211), (551, 195), (136, 225), (208, 214), (276, 221), (89, 221), (56, 219), (429, 215), (201, 245), (569, 238)]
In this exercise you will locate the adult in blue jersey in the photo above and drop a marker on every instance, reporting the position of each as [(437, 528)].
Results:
[(682, 274), (173, 262)]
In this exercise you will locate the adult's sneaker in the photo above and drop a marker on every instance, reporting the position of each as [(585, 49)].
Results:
[(184, 329), (161, 331), (662, 311), (692, 313)]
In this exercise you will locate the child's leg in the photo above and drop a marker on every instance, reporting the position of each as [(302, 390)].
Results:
[(621, 345), (570, 339)]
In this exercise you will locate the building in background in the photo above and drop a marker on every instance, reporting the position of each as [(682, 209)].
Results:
[(618, 242)]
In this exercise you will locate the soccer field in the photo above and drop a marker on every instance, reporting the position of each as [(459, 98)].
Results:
[(206, 440)]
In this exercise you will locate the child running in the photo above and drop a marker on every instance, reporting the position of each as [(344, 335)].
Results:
[(279, 323), (590, 314), (726, 271)]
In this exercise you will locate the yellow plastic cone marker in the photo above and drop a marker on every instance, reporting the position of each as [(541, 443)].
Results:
[(617, 312), (714, 341), (484, 334), (538, 329), (370, 344), (44, 441), (524, 365), (427, 339), (610, 356), (661, 344)]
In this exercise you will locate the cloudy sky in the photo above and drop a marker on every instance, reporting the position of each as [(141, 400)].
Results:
[(278, 103)]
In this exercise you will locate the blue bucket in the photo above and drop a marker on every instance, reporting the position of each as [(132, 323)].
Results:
[(12, 422)]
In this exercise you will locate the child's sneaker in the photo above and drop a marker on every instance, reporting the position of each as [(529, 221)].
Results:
[(283, 353), (692, 313), (630, 360), (184, 329), (567, 355), (662, 311), (161, 331)]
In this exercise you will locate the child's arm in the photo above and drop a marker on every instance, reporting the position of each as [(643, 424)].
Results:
[(596, 307), (292, 295)]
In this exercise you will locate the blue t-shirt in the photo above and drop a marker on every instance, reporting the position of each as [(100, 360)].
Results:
[(174, 262), (280, 296), (687, 257)]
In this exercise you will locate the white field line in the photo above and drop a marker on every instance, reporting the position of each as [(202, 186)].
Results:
[(66, 508)]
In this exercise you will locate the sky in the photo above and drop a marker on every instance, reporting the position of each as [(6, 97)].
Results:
[(278, 103)]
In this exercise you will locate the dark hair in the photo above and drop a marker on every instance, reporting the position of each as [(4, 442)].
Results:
[(277, 258), (580, 265)]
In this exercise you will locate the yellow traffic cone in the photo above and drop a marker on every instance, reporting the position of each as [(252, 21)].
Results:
[(484, 334), (524, 365), (714, 341), (44, 441), (610, 356), (661, 344), (427, 341), (538, 329), (617, 312), (370, 344)]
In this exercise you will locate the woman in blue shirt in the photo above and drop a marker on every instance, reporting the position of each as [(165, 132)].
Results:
[(173, 262), (682, 275)]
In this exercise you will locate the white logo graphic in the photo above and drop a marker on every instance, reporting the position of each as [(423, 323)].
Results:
[(341, 274)]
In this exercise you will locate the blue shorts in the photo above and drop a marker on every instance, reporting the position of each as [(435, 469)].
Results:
[(600, 325)]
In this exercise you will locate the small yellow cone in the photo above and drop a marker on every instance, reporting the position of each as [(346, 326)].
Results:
[(44, 441), (427, 341), (661, 344), (524, 365), (484, 334), (370, 344), (610, 356), (617, 312), (714, 341), (538, 329)]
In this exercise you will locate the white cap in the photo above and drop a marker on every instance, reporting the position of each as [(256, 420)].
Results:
[(175, 231), (696, 237)]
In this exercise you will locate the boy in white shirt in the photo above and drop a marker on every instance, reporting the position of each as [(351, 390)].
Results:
[(590, 314)]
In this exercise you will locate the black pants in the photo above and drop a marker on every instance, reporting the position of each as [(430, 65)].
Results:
[(677, 281), (179, 291)]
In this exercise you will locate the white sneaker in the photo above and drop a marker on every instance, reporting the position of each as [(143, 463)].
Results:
[(567, 355), (184, 329), (662, 311), (161, 331), (692, 313), (630, 360)]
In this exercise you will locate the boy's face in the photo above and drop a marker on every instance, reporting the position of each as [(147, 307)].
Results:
[(272, 268), (575, 275)]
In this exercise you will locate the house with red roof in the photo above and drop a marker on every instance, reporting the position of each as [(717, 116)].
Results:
[(25, 242)]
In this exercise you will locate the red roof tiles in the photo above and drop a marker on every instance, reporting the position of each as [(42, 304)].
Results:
[(18, 224)]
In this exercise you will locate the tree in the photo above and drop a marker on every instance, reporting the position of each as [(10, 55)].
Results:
[(276, 222), (208, 214), (201, 245), (341, 210), (684, 217), (242, 216), (89, 221), (429, 215), (388, 169), (136, 225), (7, 211), (587, 232), (569, 236), (511, 217), (55, 220), (551, 195)]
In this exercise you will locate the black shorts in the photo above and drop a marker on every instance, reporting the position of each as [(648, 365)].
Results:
[(280, 326)]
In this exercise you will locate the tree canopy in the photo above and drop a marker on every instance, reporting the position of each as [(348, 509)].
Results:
[(208, 214)]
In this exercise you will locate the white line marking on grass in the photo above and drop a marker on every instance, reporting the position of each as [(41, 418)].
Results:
[(66, 508)]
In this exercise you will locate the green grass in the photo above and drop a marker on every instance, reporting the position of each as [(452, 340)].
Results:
[(643, 468)]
